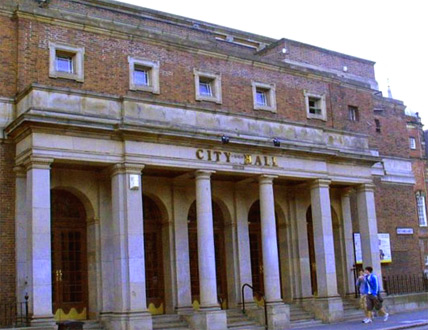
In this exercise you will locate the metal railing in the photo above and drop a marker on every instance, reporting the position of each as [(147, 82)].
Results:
[(407, 283), (259, 293), (14, 314)]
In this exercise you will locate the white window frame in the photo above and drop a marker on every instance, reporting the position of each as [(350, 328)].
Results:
[(352, 113), (426, 260), (152, 74), (215, 86), (421, 209), (77, 58), (270, 96), (321, 98), (412, 143)]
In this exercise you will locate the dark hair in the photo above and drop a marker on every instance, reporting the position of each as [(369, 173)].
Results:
[(368, 268)]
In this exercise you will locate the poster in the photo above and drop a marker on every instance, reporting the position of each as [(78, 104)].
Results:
[(384, 248)]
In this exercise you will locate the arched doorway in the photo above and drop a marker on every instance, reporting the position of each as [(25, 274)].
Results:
[(220, 255), (69, 256), (256, 250), (155, 287)]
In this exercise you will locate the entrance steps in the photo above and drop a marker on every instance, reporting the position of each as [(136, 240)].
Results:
[(92, 325), (351, 310), (236, 320), (302, 319), (169, 321)]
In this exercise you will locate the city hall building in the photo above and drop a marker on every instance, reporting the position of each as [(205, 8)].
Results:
[(152, 164)]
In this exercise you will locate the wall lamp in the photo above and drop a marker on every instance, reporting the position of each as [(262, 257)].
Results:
[(225, 139), (276, 142)]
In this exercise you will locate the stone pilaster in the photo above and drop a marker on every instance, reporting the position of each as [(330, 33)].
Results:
[(349, 240), (21, 233), (181, 250), (328, 305), (368, 228), (39, 261), (130, 306)]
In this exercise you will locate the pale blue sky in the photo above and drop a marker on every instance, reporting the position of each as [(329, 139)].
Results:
[(392, 33)]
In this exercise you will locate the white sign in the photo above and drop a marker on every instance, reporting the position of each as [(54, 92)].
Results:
[(384, 248), (134, 181), (405, 231)]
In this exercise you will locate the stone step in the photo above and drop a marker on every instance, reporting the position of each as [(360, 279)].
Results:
[(168, 322), (92, 325), (238, 321), (304, 324)]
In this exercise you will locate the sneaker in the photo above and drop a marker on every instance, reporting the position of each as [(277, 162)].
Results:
[(385, 318), (367, 320)]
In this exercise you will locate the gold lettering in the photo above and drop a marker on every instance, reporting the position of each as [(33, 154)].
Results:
[(227, 154), (247, 160), (209, 154), (217, 155), (266, 161), (258, 161), (200, 154), (274, 162)]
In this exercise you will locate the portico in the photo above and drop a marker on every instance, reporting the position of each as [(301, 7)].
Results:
[(137, 189)]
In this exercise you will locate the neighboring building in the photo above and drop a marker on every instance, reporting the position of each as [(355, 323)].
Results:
[(251, 160)]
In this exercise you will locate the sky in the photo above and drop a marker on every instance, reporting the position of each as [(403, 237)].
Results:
[(393, 33)]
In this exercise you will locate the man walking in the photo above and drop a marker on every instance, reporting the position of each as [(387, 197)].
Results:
[(373, 298)]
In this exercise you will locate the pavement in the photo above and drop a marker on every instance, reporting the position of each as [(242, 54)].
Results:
[(417, 320)]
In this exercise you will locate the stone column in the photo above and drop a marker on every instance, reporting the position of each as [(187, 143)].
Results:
[(368, 228), (243, 244), (21, 233), (210, 316), (181, 250), (329, 306), (130, 306), (278, 312), (39, 261), (349, 241)]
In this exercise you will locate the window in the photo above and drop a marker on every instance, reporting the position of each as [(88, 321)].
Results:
[(207, 86), (143, 75), (377, 124), (264, 96), (315, 106), (422, 214), (353, 113), (412, 142), (66, 62), (426, 260)]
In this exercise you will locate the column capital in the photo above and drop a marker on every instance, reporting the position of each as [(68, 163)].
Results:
[(203, 174), (266, 179), (346, 192), (320, 183), (33, 162), (366, 187), (126, 168), (20, 171)]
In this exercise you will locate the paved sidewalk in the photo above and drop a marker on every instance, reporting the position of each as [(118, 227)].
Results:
[(405, 320)]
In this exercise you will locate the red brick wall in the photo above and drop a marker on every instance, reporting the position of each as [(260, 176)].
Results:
[(8, 53), (7, 222), (396, 207)]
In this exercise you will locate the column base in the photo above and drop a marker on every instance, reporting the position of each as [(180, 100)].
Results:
[(186, 310), (43, 321), (329, 309), (127, 321), (208, 320), (278, 315)]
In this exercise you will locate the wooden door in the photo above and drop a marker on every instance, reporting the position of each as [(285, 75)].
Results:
[(311, 245), (220, 255), (155, 288), (256, 252), (69, 257)]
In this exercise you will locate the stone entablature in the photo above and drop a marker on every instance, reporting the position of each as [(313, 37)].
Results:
[(56, 105)]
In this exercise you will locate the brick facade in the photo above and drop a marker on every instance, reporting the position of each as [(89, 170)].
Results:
[(180, 45)]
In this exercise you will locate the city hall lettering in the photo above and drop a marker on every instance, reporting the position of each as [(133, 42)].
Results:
[(246, 159)]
